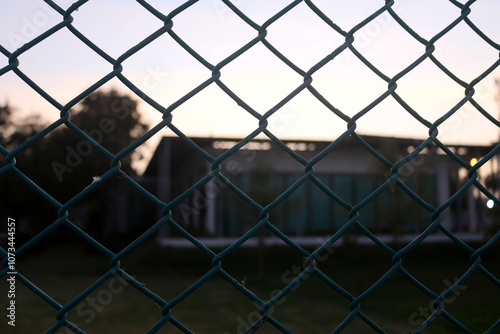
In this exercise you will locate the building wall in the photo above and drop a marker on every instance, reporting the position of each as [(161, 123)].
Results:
[(264, 172)]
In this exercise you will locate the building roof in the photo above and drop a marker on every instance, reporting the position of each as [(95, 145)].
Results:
[(181, 150)]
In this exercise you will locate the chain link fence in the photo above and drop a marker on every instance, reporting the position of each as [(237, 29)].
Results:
[(392, 171)]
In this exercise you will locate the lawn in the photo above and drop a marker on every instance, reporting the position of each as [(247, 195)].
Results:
[(63, 271)]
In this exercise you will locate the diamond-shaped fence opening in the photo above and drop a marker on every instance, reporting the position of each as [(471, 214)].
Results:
[(219, 39), (125, 31), (75, 61), (348, 180)]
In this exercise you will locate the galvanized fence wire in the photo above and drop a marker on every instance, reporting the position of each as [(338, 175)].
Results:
[(309, 175)]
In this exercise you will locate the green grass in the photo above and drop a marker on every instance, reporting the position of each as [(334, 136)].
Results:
[(64, 271)]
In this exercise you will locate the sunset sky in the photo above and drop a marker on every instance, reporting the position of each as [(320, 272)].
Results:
[(63, 66)]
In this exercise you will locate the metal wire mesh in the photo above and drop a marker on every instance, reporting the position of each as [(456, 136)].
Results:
[(393, 179)]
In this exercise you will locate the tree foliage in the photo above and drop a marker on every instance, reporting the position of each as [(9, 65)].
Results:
[(63, 163)]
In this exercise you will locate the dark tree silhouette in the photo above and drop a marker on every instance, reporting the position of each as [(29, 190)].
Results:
[(15, 196), (63, 163)]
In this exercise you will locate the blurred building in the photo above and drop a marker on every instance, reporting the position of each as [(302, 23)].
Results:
[(344, 177)]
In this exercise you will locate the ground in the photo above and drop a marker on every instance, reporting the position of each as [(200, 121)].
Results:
[(63, 271)]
